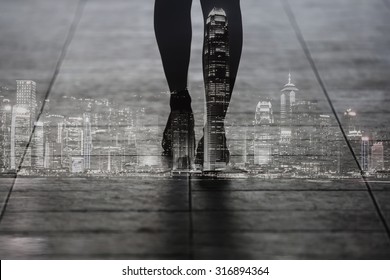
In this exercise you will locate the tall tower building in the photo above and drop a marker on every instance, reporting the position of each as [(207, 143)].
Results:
[(347, 161), (5, 133), (183, 140), (20, 134), (377, 157), (263, 134), (327, 147), (47, 156), (355, 138), (350, 122), (287, 100), (72, 144), (365, 153), (26, 96), (38, 148), (87, 140), (217, 82), (53, 128), (304, 132)]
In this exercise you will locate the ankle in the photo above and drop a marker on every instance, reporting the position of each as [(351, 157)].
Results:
[(180, 100)]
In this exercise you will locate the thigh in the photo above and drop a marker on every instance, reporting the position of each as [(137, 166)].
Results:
[(173, 6)]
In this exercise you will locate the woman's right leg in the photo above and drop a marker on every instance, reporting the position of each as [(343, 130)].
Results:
[(172, 23), (233, 13), (231, 8)]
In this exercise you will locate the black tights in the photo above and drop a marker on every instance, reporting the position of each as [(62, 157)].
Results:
[(172, 23)]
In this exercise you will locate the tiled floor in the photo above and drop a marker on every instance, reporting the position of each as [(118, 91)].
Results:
[(98, 48)]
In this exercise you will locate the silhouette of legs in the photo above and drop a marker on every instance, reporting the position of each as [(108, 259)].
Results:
[(172, 24), (233, 14)]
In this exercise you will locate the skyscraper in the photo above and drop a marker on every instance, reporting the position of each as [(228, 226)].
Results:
[(47, 156), (377, 157), (365, 153), (20, 134), (183, 140), (263, 134), (350, 122), (38, 148), (217, 82), (355, 137), (287, 100), (327, 146), (53, 128), (26, 96), (87, 140), (304, 133), (73, 140), (5, 133)]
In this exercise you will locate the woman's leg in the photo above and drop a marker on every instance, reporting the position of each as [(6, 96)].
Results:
[(172, 25), (233, 13), (212, 149)]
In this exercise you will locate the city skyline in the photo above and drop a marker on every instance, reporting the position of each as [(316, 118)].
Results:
[(98, 136), (104, 138)]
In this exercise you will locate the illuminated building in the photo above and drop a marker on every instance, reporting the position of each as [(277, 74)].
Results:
[(377, 157), (20, 135), (217, 81), (38, 148)]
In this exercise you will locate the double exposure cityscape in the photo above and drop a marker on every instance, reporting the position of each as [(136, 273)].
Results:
[(107, 138), (100, 137)]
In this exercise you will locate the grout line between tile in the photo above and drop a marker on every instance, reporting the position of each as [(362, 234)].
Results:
[(306, 50), (69, 37)]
